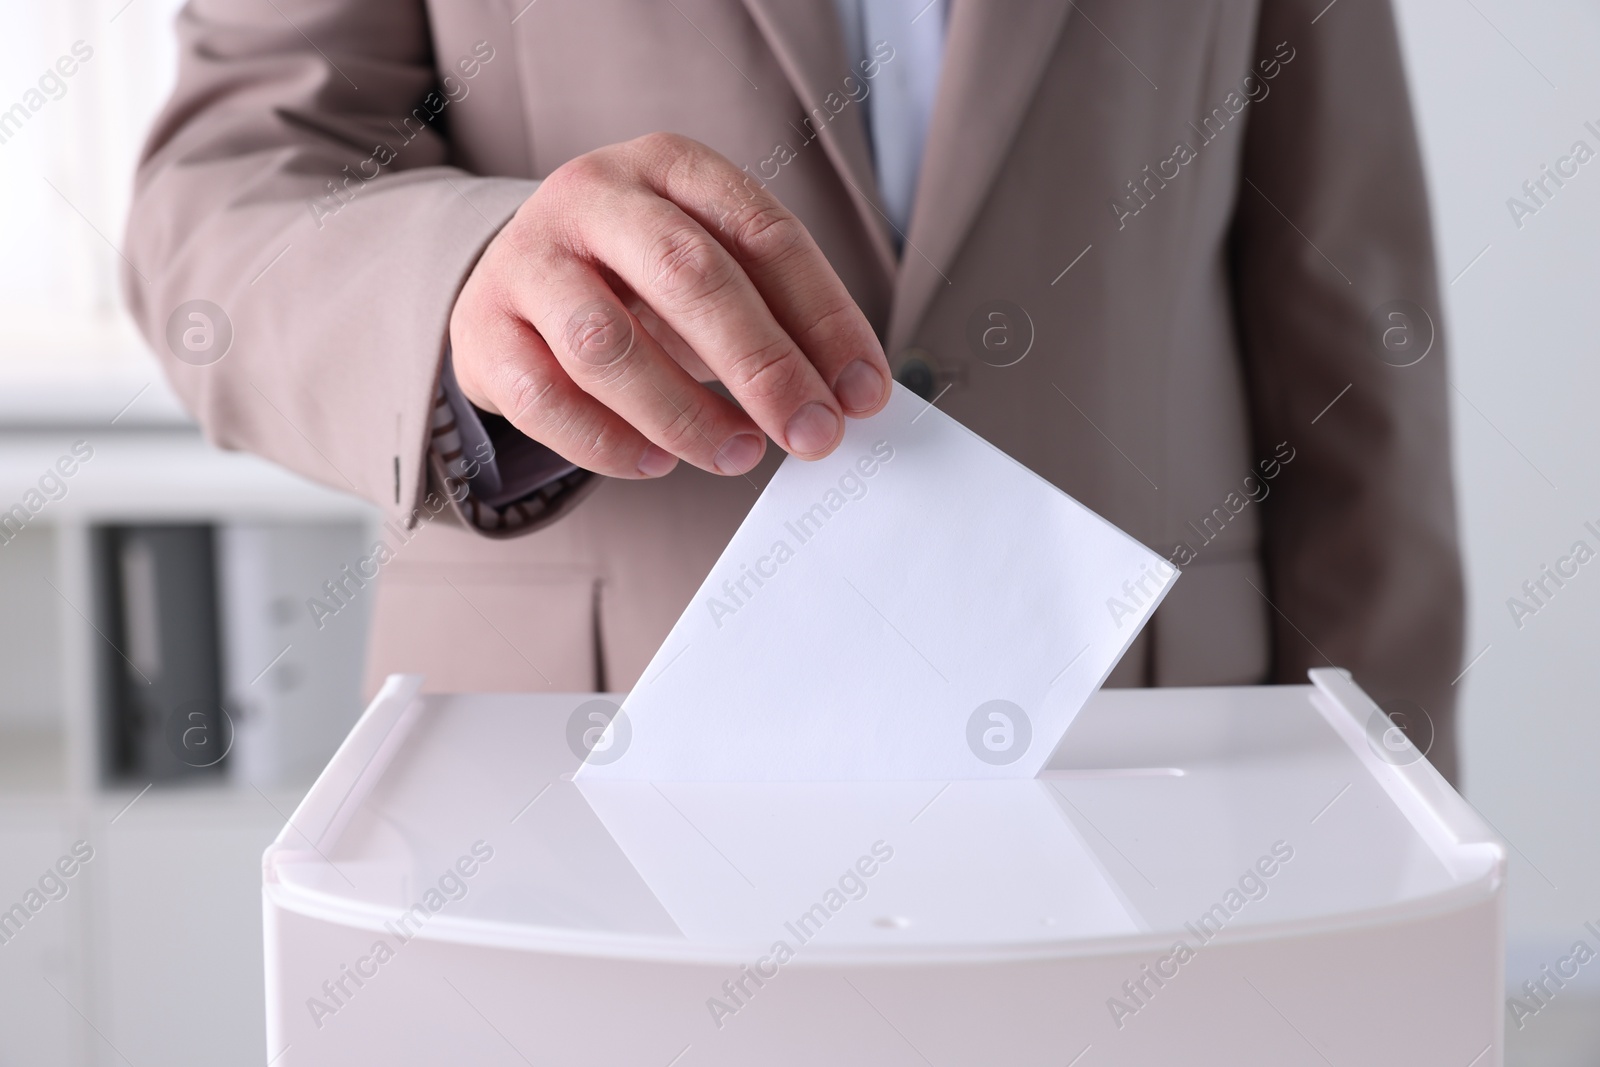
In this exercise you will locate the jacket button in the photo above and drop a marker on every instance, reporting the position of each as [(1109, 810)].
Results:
[(915, 372)]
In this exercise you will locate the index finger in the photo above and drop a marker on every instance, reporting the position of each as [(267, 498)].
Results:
[(804, 293), (701, 291)]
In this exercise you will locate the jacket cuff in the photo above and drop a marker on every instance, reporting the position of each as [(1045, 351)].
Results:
[(498, 492)]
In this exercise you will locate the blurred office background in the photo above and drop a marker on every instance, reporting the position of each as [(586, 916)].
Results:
[(153, 955)]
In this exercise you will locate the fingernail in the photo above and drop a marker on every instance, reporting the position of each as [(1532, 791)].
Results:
[(655, 462), (812, 429), (859, 387), (738, 453)]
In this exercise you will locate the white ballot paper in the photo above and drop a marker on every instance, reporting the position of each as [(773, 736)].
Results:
[(918, 605)]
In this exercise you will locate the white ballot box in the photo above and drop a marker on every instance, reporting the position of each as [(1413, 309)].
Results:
[(1267, 875)]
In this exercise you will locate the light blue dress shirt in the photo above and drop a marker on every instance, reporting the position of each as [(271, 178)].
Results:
[(900, 105)]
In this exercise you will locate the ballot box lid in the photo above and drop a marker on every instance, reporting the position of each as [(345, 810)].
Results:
[(1175, 813)]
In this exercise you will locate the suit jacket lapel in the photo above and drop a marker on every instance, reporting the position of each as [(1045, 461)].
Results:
[(809, 45), (995, 54)]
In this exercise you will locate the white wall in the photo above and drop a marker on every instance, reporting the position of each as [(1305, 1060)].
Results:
[(1501, 87), (66, 176)]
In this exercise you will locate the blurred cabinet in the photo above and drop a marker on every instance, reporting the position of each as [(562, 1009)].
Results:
[(292, 680), (43, 969), (178, 941), (154, 954)]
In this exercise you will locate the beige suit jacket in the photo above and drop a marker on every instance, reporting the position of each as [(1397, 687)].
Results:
[(1196, 263)]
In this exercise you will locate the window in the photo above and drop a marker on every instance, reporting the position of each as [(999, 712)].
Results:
[(81, 81)]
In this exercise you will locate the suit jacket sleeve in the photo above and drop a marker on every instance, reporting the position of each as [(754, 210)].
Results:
[(1332, 225), (299, 179)]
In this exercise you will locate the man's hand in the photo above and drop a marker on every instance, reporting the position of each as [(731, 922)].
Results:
[(637, 272)]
